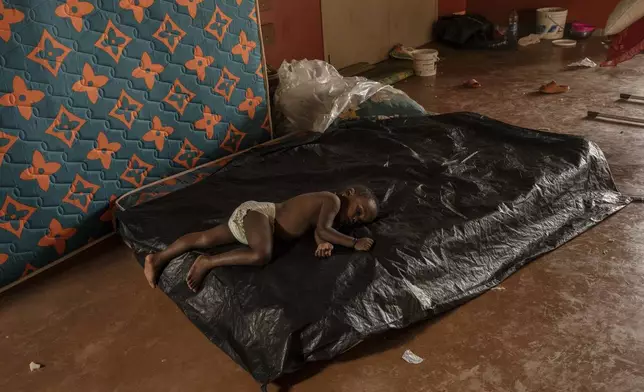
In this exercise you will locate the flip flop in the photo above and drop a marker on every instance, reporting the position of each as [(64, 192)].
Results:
[(472, 83), (554, 88)]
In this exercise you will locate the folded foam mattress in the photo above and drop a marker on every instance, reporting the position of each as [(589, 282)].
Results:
[(466, 201)]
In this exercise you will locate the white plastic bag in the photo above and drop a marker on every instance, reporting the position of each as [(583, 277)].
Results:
[(312, 94), (583, 63), (412, 358)]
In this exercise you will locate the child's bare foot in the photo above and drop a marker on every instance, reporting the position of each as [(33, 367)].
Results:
[(151, 269), (197, 273)]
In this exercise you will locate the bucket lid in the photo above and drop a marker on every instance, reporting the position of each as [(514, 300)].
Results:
[(566, 43), (425, 51), (552, 9)]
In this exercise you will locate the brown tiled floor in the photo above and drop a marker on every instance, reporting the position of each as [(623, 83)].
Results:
[(571, 321)]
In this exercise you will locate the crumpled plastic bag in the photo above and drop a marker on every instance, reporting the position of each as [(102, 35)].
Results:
[(412, 358), (583, 63), (312, 94), (530, 40)]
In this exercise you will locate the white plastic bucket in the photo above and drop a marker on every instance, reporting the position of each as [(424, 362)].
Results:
[(425, 61), (551, 22)]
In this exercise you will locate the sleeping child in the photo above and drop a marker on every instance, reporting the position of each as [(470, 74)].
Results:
[(254, 224)]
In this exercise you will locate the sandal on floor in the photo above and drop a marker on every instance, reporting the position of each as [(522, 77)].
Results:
[(472, 83), (554, 88)]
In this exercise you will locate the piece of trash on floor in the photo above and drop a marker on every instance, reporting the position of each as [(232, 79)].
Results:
[(394, 77), (565, 43), (554, 88), (34, 366), (498, 288), (412, 358), (584, 63), (401, 52), (530, 40), (472, 83)]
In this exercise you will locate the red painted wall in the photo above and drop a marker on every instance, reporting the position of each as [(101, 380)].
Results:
[(589, 11), (298, 30), (448, 7)]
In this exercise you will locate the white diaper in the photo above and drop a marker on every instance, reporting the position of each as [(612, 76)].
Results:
[(236, 221)]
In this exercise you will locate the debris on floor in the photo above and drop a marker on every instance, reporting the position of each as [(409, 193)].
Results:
[(529, 40), (498, 288), (395, 77), (412, 358), (583, 63), (565, 43), (472, 83), (554, 88), (632, 98), (401, 52), (34, 366), (592, 115)]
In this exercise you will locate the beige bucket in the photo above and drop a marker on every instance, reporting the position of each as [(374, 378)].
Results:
[(425, 62), (551, 22)]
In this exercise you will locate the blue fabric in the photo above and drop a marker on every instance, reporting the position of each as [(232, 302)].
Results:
[(98, 98), (386, 103)]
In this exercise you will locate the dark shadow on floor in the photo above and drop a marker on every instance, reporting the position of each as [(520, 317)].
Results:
[(46, 276), (389, 340)]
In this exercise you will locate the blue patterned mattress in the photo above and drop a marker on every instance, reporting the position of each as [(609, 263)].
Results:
[(100, 97)]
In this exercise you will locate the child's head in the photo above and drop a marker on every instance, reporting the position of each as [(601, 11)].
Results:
[(359, 206)]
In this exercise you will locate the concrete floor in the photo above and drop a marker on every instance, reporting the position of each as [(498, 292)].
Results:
[(571, 321)]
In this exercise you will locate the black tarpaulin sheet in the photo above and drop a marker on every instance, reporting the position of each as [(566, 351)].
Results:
[(466, 201)]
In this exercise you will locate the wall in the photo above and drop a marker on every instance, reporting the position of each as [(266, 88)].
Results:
[(297, 26), (448, 7), (595, 12), (298, 30), (298, 23), (365, 30)]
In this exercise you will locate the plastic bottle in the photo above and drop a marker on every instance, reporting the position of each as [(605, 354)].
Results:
[(513, 27)]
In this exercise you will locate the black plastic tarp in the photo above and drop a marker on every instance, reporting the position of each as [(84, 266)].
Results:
[(466, 201), (470, 31)]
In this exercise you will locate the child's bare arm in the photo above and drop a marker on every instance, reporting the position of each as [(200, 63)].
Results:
[(325, 230), (318, 240), (324, 249)]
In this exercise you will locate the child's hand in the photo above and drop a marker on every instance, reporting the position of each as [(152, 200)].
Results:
[(324, 250), (363, 244)]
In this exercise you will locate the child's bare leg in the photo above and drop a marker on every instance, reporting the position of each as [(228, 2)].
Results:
[(259, 252), (154, 263)]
